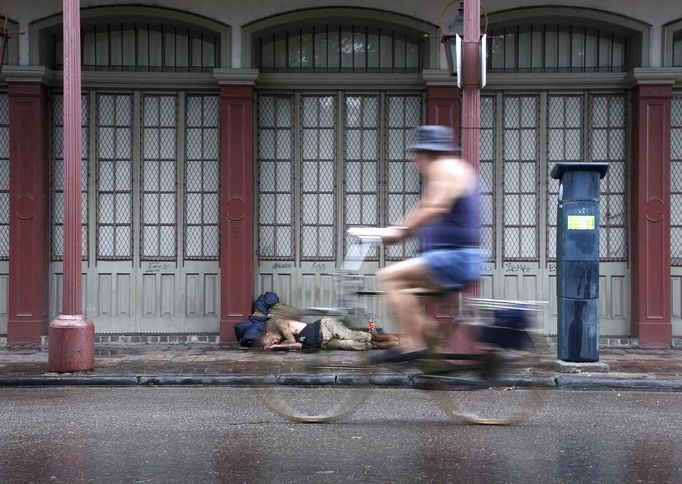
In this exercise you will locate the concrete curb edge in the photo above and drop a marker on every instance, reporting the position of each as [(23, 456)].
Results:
[(562, 382)]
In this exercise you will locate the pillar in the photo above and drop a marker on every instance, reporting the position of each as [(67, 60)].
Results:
[(651, 296), (29, 217), (236, 207), (442, 107)]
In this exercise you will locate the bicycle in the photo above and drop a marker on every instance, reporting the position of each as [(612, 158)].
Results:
[(499, 384)]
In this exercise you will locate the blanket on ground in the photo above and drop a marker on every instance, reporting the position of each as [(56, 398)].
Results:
[(250, 331)]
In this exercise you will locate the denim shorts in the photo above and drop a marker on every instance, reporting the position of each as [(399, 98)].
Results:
[(452, 269)]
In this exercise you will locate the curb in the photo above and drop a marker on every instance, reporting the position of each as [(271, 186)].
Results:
[(68, 380), (561, 382), (605, 383)]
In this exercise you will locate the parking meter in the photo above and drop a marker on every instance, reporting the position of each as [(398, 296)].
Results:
[(578, 260)]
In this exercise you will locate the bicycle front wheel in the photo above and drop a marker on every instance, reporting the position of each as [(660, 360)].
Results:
[(313, 388), (500, 387)]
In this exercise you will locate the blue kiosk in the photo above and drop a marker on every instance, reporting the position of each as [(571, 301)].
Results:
[(578, 259)]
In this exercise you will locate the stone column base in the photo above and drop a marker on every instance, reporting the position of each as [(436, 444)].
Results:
[(71, 344)]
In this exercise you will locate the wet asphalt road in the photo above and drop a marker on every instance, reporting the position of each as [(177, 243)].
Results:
[(210, 434)]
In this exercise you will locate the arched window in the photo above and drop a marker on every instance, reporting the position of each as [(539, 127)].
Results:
[(673, 44), (557, 48), (677, 49), (144, 46), (9, 41), (563, 39), (339, 48), (340, 40), (136, 39)]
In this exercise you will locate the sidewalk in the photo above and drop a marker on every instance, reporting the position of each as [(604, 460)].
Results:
[(212, 364)]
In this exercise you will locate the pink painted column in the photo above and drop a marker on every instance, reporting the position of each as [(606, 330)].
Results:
[(471, 82), (443, 108), (29, 218), (651, 297), (236, 207), (72, 334)]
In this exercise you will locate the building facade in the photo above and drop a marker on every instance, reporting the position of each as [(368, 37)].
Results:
[(226, 150)]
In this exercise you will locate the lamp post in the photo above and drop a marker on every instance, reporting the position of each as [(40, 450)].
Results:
[(72, 335), (464, 56)]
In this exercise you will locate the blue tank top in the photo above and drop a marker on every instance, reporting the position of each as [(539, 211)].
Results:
[(459, 228)]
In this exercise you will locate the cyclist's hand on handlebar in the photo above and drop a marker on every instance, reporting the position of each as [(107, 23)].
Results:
[(388, 235), (393, 234)]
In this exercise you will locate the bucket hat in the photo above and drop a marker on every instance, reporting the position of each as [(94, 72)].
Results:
[(433, 138)]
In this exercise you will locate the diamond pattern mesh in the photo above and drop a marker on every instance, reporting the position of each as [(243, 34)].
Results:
[(114, 184), (607, 143), (564, 143), (202, 174), (318, 178), (275, 178), (4, 176), (520, 178), (361, 164), (676, 181), (403, 187), (159, 137), (57, 154), (487, 175)]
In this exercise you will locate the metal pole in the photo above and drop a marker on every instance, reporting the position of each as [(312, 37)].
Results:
[(471, 91), (72, 335)]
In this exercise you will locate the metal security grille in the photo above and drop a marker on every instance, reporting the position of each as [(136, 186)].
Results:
[(114, 181), (202, 175), (4, 176), (318, 178), (607, 143), (143, 46), (676, 181), (57, 150), (564, 143), (361, 152), (159, 138), (520, 178), (557, 48), (275, 178), (339, 48), (403, 184), (487, 175)]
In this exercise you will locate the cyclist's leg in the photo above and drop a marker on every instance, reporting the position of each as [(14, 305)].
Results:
[(398, 279)]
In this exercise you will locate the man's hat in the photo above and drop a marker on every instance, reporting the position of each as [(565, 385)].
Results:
[(433, 138)]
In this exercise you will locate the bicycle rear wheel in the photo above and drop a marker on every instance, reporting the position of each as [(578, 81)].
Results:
[(502, 388), (313, 388)]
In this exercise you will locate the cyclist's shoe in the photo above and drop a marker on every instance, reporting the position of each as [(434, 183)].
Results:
[(397, 355)]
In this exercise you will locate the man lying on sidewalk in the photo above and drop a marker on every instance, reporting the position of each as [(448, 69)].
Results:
[(323, 333)]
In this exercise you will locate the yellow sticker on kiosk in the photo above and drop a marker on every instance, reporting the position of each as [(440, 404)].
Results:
[(581, 222)]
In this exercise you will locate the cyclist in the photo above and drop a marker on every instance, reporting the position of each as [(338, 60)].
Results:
[(446, 222)]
